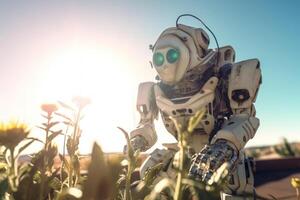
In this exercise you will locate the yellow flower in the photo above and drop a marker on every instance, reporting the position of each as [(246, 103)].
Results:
[(49, 108), (295, 182), (81, 102), (12, 133)]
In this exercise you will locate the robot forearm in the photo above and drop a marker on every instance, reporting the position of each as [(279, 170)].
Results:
[(238, 130), (144, 137)]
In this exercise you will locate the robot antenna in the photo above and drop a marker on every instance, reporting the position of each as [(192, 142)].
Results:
[(195, 17)]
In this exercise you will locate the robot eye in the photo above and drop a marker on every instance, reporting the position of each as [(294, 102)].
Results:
[(173, 55), (158, 59)]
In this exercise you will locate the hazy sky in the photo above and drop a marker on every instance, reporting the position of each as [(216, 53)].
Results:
[(52, 50)]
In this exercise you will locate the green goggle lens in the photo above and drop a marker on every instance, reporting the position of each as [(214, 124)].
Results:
[(158, 59), (172, 55)]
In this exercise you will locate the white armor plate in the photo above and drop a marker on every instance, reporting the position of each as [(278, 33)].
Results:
[(203, 99)]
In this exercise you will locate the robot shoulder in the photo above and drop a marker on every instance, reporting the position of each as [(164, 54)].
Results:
[(243, 83)]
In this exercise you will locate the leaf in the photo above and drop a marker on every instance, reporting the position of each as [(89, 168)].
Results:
[(65, 162), (45, 125), (45, 129), (35, 139), (130, 152), (54, 135), (195, 120), (24, 147), (55, 183), (98, 185), (70, 146), (65, 117), (51, 124), (76, 164), (46, 116), (152, 173), (68, 123), (66, 105), (23, 170), (195, 184), (121, 180), (162, 185)]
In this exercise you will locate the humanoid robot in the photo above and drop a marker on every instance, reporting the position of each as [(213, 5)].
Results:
[(192, 77)]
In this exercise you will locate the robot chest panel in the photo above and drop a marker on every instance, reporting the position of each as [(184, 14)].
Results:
[(185, 107)]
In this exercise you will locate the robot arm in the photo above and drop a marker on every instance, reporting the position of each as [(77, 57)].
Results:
[(144, 136), (244, 82)]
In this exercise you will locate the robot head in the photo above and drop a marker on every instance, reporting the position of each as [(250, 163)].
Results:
[(178, 50)]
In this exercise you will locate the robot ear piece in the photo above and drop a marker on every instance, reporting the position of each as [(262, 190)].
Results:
[(205, 38), (202, 38)]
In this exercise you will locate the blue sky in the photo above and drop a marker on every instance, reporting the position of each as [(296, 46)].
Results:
[(33, 32)]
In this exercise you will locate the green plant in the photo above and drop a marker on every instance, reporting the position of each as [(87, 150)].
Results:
[(98, 185), (184, 187), (71, 142), (184, 132), (11, 136), (285, 149), (106, 178), (50, 150), (15, 177), (254, 153), (131, 163)]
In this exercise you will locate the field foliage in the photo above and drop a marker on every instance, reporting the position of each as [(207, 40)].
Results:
[(106, 178)]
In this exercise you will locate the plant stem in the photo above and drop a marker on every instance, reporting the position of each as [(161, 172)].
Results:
[(63, 160), (12, 161), (74, 138), (178, 193), (128, 180), (76, 124), (47, 132), (43, 169), (178, 188), (71, 174), (14, 168)]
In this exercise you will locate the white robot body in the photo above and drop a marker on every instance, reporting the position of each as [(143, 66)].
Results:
[(192, 80), (185, 107)]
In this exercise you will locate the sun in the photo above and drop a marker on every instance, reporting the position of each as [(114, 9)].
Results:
[(100, 74), (81, 70)]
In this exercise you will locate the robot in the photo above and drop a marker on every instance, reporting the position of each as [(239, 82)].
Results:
[(192, 77)]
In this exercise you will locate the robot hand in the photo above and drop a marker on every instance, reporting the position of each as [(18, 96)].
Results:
[(211, 157), (138, 143)]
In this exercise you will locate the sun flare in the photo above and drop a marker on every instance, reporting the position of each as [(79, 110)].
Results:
[(99, 74)]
